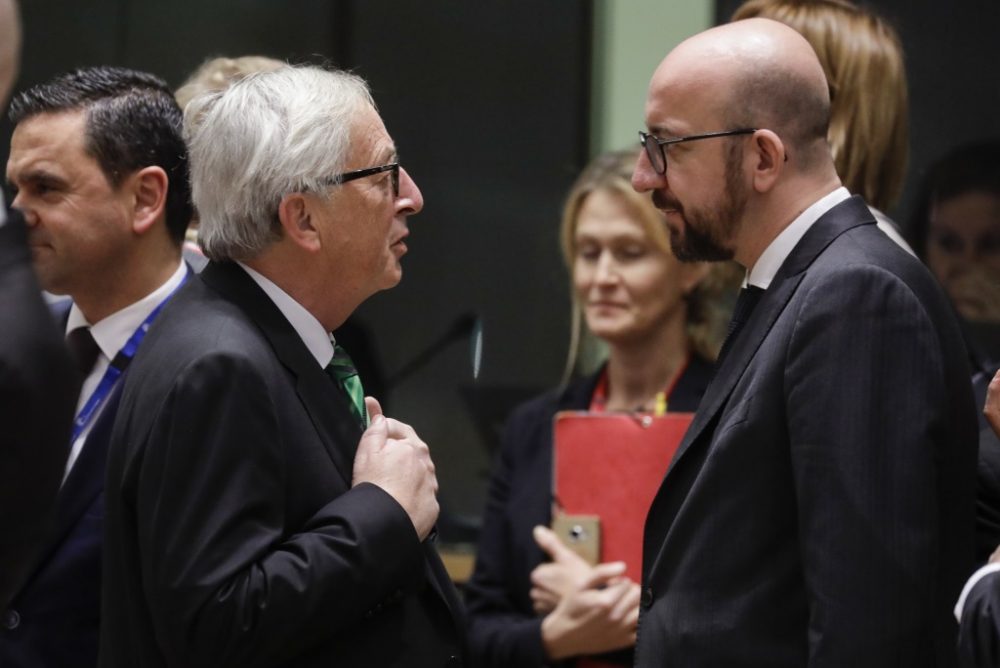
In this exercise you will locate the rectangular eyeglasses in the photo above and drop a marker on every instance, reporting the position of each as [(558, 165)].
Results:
[(657, 154)]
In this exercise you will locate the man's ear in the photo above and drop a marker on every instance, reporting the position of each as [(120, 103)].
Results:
[(295, 212), (769, 158), (149, 188)]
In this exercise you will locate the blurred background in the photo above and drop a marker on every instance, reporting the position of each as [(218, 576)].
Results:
[(495, 106)]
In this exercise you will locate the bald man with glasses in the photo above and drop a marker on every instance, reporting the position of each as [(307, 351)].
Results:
[(819, 511)]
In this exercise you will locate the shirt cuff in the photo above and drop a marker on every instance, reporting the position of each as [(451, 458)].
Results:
[(973, 581)]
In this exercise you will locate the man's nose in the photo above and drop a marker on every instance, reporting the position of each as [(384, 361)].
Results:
[(644, 177), (410, 199)]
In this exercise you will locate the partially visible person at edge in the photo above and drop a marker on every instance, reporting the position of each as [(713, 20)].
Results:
[(978, 607), (531, 600), (862, 58), (38, 385), (955, 230), (100, 171)]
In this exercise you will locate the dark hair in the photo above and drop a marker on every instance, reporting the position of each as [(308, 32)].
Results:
[(132, 122), (969, 168)]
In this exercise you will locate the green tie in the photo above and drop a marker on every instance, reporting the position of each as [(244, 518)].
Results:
[(342, 369)]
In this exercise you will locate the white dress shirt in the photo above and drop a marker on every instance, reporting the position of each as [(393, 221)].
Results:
[(111, 334), (770, 261), (310, 330)]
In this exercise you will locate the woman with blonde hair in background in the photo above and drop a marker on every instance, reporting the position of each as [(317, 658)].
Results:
[(530, 600), (862, 57)]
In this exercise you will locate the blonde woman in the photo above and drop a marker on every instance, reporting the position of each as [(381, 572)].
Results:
[(530, 601)]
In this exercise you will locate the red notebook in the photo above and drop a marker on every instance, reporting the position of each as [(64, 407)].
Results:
[(611, 465)]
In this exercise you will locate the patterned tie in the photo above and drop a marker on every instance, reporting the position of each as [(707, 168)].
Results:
[(341, 368), (745, 304), (83, 348)]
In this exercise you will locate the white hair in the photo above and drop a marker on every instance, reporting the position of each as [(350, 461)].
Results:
[(268, 135)]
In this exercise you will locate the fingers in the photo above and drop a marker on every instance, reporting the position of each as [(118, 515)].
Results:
[(627, 604), (992, 408), (373, 407), (549, 541), (543, 601), (603, 574)]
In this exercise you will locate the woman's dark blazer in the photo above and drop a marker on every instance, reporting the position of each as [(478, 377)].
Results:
[(503, 628)]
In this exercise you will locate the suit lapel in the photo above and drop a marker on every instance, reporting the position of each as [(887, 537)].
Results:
[(832, 224), (327, 408)]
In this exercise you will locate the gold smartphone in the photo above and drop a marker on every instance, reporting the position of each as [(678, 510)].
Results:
[(581, 533)]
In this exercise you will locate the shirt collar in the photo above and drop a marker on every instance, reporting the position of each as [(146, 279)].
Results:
[(770, 261), (113, 332), (310, 330)]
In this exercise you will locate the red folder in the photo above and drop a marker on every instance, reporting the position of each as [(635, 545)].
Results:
[(611, 465)]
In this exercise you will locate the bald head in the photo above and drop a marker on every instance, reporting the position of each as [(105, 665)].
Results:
[(10, 47), (753, 73)]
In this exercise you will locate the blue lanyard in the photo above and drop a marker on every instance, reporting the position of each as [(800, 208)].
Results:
[(117, 367)]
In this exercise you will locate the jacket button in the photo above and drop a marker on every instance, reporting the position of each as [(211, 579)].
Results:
[(646, 598), (11, 620)]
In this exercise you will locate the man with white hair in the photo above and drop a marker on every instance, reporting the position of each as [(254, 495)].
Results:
[(819, 511), (252, 518), (37, 383)]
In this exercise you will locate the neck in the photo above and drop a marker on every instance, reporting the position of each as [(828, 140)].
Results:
[(289, 271), (131, 280), (639, 370), (782, 206)]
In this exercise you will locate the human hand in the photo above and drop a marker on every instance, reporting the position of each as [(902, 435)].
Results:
[(600, 617), (975, 290), (566, 573), (392, 456), (991, 409)]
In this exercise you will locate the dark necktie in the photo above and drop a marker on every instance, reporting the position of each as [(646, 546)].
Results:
[(84, 349), (745, 304), (341, 368)]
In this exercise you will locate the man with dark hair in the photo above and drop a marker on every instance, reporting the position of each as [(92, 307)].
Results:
[(100, 170), (819, 510), (37, 383)]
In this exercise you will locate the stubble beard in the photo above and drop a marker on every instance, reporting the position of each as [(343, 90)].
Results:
[(708, 233)]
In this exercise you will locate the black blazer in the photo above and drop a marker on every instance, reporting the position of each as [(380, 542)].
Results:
[(979, 635), (820, 509), (38, 388), (234, 537), (503, 628)]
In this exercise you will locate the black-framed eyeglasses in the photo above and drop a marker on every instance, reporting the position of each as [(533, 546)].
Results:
[(658, 158), (368, 171)]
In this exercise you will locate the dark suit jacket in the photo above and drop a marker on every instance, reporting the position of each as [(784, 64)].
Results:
[(987, 473), (234, 537), (38, 387), (503, 628), (979, 636), (819, 511), (61, 599)]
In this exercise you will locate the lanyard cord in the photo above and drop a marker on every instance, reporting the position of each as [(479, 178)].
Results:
[(116, 368)]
